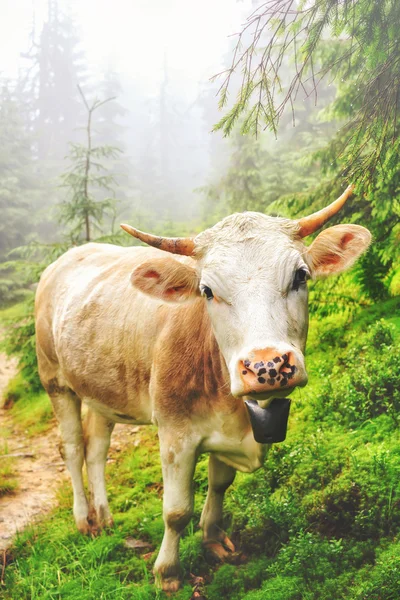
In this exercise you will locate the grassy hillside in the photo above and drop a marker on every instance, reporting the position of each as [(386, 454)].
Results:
[(320, 520)]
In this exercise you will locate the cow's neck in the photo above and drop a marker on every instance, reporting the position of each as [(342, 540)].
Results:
[(199, 388), (200, 367)]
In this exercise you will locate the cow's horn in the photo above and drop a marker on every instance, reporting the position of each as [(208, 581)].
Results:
[(315, 221), (174, 245)]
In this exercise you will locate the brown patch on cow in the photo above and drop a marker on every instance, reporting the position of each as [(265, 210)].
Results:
[(88, 311), (195, 379), (169, 571), (53, 388), (170, 457), (121, 367), (178, 519)]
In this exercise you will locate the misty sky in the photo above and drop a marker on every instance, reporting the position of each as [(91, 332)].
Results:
[(132, 36)]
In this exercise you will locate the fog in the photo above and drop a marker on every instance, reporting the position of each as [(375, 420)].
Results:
[(157, 59)]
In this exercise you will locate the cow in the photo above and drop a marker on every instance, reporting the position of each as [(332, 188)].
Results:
[(202, 344)]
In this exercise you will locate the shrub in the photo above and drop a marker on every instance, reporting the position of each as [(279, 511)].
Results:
[(366, 381), (382, 581), (381, 334), (20, 341)]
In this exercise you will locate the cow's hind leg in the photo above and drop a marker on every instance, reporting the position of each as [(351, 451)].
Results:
[(97, 431), (178, 459), (67, 407), (220, 477)]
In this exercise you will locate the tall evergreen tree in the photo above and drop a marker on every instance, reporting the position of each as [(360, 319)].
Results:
[(110, 130), (109, 117), (55, 67), (17, 179), (81, 209)]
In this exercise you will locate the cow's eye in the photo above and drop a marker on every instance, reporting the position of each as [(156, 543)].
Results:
[(300, 278), (207, 292)]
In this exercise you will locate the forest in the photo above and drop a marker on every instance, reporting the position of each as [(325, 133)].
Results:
[(305, 102)]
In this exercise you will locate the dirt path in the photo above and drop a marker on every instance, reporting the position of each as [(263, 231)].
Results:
[(38, 465), (39, 471)]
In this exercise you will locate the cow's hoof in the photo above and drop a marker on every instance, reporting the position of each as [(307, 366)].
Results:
[(228, 544), (167, 577), (109, 523), (170, 584), (103, 517), (221, 550), (84, 527), (106, 523), (217, 551), (99, 519)]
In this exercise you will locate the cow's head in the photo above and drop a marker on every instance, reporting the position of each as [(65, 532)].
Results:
[(252, 271)]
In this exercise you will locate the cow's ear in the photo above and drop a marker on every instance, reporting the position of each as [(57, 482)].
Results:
[(166, 279), (337, 248)]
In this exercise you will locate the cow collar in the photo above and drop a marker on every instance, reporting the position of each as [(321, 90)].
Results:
[(269, 424)]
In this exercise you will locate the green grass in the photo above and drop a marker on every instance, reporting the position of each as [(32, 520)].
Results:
[(15, 311), (31, 412), (320, 520), (8, 480)]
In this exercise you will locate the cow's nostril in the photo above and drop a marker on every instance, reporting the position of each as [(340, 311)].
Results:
[(268, 372), (273, 370)]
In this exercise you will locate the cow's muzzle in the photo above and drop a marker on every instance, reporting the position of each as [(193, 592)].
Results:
[(268, 372), (269, 424)]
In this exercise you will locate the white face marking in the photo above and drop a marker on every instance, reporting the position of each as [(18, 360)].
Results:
[(256, 305)]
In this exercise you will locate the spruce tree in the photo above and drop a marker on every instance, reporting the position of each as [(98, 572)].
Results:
[(82, 209), (17, 179), (54, 69)]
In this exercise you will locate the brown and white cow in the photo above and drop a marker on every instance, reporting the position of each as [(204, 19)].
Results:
[(142, 337)]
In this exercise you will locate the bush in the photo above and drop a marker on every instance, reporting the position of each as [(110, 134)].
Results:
[(366, 381), (20, 341), (381, 334), (382, 581)]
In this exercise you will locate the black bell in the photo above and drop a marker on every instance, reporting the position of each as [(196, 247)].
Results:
[(269, 424)]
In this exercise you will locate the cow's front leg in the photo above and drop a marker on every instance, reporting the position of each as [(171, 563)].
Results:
[(220, 477), (97, 432), (178, 459)]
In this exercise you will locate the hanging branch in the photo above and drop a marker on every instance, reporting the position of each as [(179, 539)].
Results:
[(320, 38)]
